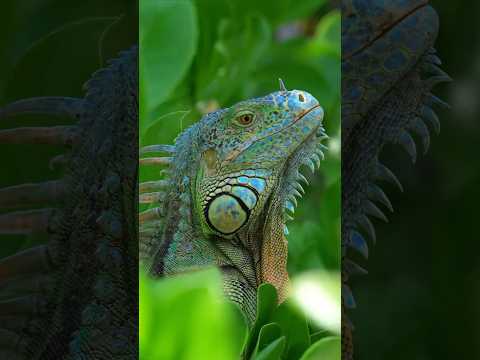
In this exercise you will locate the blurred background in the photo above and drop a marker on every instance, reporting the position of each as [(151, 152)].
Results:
[(225, 52), (420, 299)]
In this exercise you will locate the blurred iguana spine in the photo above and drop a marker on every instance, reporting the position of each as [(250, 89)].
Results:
[(230, 182), (389, 68), (76, 296)]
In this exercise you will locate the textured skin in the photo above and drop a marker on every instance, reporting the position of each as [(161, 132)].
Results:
[(389, 67), (76, 297), (226, 191)]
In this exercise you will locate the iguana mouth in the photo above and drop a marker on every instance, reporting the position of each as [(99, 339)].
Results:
[(308, 111), (302, 116)]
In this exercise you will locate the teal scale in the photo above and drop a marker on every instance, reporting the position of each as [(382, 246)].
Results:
[(229, 209)]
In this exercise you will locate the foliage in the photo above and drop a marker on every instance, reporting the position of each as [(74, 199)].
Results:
[(186, 318), (173, 313), (197, 56)]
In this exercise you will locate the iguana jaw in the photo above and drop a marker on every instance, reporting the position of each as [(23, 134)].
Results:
[(235, 178)]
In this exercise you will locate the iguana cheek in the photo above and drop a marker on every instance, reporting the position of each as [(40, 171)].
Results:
[(226, 214), (209, 162), (228, 203)]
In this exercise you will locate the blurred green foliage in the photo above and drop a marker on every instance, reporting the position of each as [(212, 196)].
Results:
[(197, 56), (187, 318)]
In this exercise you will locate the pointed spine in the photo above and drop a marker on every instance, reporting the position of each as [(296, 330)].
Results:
[(376, 194), (29, 261), (55, 135), (157, 148), (156, 161), (408, 144), (28, 194), (152, 186), (54, 106), (150, 214), (385, 174), (25, 222)]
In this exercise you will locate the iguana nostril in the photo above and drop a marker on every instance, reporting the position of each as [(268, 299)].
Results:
[(301, 98)]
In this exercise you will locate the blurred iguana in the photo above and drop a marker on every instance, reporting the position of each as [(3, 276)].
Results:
[(231, 181), (76, 297), (389, 67)]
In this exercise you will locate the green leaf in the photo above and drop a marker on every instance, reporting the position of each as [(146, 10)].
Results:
[(168, 40), (327, 35), (266, 304), (319, 335), (236, 52), (145, 313), (273, 351), (183, 317), (328, 348), (268, 334), (210, 13), (295, 328)]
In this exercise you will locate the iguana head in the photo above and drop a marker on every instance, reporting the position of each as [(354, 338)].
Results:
[(245, 152)]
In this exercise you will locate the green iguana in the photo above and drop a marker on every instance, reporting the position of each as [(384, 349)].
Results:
[(231, 181), (389, 68)]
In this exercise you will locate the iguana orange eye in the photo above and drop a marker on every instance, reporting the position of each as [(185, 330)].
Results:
[(245, 119)]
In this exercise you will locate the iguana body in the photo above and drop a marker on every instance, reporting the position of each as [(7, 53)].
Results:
[(231, 178), (76, 297), (389, 67)]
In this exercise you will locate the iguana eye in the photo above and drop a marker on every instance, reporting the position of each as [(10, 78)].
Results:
[(245, 118)]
